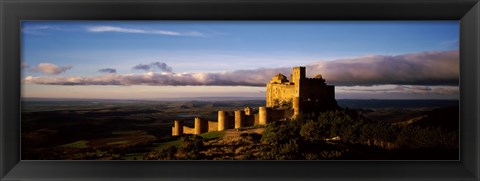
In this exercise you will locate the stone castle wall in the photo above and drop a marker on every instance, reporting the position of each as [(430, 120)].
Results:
[(187, 130), (212, 126), (315, 95), (304, 95), (316, 89), (279, 114), (278, 93), (238, 120)]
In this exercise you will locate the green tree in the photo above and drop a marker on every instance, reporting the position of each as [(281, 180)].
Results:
[(314, 131)]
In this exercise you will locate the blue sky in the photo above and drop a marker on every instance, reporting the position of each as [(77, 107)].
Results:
[(79, 49)]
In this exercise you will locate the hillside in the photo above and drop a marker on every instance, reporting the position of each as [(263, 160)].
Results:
[(332, 136)]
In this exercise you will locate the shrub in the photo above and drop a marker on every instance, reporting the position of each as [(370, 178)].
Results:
[(251, 136), (328, 155), (190, 148), (311, 156), (244, 135), (163, 154), (288, 151), (430, 137), (248, 156), (315, 131), (282, 132)]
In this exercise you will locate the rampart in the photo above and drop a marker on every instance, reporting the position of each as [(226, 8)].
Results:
[(240, 119)]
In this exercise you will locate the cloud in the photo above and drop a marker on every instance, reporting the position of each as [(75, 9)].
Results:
[(41, 29), (149, 78), (417, 69), (154, 66), (35, 30), (410, 89), (48, 68), (98, 29), (108, 70), (424, 68)]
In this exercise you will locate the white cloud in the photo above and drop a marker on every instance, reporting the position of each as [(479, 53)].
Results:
[(99, 29), (148, 78), (48, 68), (41, 29)]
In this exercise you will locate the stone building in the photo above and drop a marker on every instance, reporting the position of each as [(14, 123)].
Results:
[(285, 99), (307, 95)]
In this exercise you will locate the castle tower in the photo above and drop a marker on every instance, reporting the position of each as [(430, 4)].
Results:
[(178, 128), (248, 111), (222, 121), (239, 119), (198, 126), (298, 74), (262, 115), (297, 106)]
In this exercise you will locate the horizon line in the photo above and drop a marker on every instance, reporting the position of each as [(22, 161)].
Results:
[(192, 98)]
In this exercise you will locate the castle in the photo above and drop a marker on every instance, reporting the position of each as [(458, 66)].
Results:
[(284, 99)]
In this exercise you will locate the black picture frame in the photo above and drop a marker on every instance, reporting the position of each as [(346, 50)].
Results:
[(13, 11)]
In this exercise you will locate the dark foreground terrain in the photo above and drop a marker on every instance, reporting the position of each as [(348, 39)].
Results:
[(119, 130)]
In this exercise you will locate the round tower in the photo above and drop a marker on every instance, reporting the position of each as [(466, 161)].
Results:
[(198, 126), (262, 115), (239, 119), (296, 106), (178, 129), (222, 121)]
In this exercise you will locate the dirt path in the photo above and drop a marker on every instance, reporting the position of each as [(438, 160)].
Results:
[(232, 133), (232, 145)]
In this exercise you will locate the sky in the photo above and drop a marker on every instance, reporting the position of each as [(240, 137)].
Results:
[(169, 59)]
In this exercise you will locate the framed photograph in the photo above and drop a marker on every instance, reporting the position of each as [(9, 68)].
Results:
[(239, 90)]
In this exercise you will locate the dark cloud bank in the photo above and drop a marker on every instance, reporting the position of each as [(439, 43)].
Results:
[(424, 68), (154, 66), (108, 70)]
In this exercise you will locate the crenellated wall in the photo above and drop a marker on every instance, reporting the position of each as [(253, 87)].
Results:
[(266, 114)]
